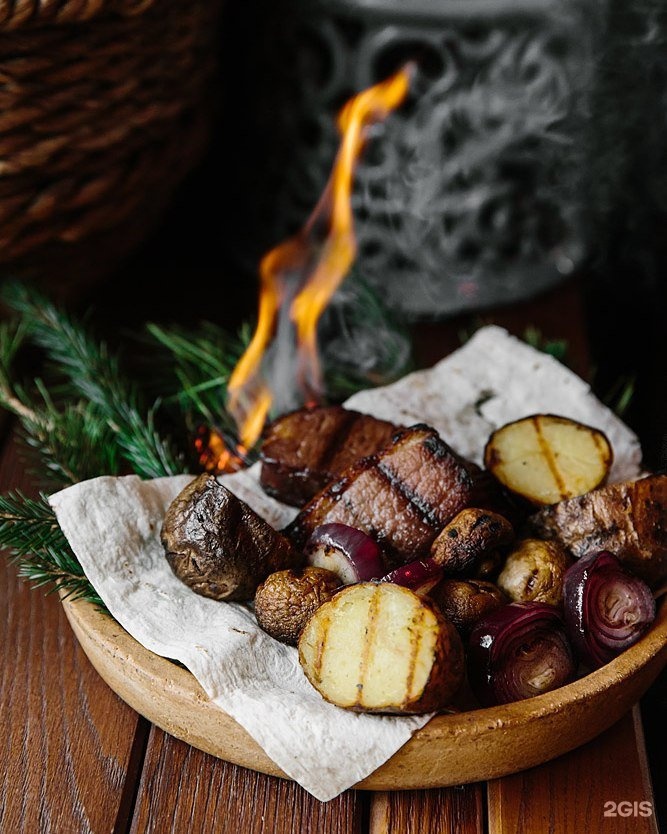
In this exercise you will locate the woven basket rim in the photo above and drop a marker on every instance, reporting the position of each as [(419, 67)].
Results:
[(43, 14)]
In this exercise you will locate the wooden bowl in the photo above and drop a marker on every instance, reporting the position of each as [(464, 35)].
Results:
[(449, 750)]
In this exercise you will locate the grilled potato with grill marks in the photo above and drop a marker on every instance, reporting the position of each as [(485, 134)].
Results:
[(545, 458), (378, 647)]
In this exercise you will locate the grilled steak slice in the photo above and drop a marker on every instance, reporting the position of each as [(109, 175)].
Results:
[(304, 451), (218, 545), (629, 520), (403, 496)]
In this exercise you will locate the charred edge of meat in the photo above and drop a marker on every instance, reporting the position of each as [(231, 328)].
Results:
[(294, 472), (462, 475)]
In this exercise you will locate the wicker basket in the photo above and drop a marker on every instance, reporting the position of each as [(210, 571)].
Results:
[(104, 106)]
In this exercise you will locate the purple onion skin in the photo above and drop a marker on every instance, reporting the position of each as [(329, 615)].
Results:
[(351, 552), (606, 608), (420, 576), (518, 651)]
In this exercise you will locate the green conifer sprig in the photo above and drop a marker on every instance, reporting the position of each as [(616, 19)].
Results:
[(196, 366), (94, 372), (30, 533)]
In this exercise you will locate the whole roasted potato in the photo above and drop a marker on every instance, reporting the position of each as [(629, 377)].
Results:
[(220, 547), (534, 572), (287, 599), (466, 601)]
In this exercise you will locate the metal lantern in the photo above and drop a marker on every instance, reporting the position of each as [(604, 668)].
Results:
[(480, 190)]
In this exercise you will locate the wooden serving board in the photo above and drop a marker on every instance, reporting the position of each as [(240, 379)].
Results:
[(449, 750)]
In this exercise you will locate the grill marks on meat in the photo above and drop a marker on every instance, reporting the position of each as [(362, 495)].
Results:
[(628, 519), (306, 450), (428, 473), (402, 496)]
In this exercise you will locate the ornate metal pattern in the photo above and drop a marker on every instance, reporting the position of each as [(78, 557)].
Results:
[(472, 194)]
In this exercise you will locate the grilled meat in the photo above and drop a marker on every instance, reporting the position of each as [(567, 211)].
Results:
[(306, 450), (628, 519), (403, 496)]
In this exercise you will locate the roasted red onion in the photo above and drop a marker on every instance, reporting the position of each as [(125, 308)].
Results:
[(607, 609), (518, 651), (348, 552), (420, 576)]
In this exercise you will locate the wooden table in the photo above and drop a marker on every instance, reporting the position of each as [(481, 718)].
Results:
[(77, 759)]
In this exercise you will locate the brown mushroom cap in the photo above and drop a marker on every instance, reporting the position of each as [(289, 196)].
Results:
[(286, 600), (533, 572), (469, 538), (466, 601)]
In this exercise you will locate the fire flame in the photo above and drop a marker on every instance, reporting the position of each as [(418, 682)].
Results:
[(304, 272)]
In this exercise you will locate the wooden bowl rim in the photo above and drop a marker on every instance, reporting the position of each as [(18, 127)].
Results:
[(119, 641)]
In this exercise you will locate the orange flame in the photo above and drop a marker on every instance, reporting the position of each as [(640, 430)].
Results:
[(216, 454), (324, 263)]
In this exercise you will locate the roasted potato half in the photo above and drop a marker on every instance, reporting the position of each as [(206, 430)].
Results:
[(546, 458), (378, 647)]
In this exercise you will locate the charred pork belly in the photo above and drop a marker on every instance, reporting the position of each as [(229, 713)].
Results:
[(402, 496), (306, 450)]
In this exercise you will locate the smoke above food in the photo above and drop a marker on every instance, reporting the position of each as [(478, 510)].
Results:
[(281, 368)]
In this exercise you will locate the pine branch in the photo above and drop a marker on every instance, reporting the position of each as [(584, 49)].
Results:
[(14, 399), (558, 348), (195, 367), (95, 373), (620, 396), (71, 444), (30, 532)]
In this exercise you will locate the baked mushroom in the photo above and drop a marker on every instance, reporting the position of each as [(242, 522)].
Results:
[(470, 539), (287, 599), (534, 572), (218, 546), (466, 601)]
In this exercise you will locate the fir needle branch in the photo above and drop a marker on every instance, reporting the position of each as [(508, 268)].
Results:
[(30, 532), (71, 443), (620, 396), (12, 337), (558, 348), (95, 373), (196, 366)]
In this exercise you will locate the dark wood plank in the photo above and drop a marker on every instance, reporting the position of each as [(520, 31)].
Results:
[(558, 314), (183, 789), (443, 811), (569, 794), (573, 792), (67, 740)]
